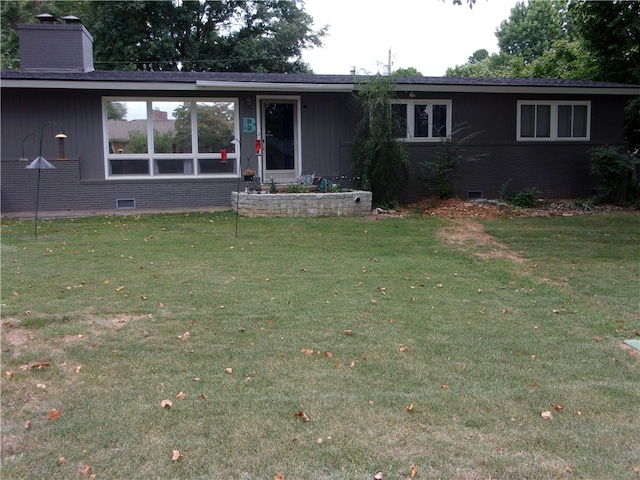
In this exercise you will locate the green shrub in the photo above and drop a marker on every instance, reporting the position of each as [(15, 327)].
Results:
[(613, 168), (525, 198)]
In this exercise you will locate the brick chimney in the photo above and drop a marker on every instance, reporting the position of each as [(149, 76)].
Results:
[(53, 46)]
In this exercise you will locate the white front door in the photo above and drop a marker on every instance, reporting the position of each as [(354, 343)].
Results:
[(280, 134)]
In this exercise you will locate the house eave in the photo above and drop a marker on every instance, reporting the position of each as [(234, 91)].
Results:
[(240, 86)]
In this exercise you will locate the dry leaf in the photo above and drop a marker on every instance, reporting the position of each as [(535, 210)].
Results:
[(54, 414), (328, 354), (348, 332), (556, 407), (444, 386), (352, 364), (78, 368), (120, 288), (409, 408), (15, 294), (302, 415), (414, 471), (403, 348), (278, 475), (86, 470), (176, 456), (27, 424), (186, 335), (166, 404), (39, 366), (307, 351), (378, 476), (41, 385), (546, 415), (228, 370), (62, 460), (204, 397), (181, 396), (8, 374)]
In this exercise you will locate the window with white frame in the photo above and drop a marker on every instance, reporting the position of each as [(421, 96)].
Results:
[(554, 120), (170, 137), (422, 120)]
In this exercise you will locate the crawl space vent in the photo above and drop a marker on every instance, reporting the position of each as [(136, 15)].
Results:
[(125, 203), (472, 194)]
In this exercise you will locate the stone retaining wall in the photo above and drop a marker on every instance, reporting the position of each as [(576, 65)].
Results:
[(351, 203)]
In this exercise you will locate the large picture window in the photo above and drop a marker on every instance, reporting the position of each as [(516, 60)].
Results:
[(422, 120), (170, 137), (554, 121)]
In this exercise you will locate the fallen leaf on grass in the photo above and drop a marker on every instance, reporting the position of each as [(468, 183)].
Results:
[(8, 374), (302, 415), (409, 408), (228, 370), (278, 475), (403, 348), (307, 351), (414, 471), (181, 396), (41, 385), (546, 415), (86, 470), (27, 424), (120, 288), (556, 407), (378, 476), (176, 456), (166, 404), (78, 368), (204, 397), (54, 414), (39, 366), (348, 332)]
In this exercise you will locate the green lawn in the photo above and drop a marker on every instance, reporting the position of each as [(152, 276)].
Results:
[(400, 349)]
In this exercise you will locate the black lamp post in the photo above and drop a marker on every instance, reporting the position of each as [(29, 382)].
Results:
[(41, 163)]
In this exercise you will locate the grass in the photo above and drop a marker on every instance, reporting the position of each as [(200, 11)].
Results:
[(401, 350)]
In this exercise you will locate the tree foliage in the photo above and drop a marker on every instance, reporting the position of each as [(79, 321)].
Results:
[(531, 29), (380, 160), (190, 35)]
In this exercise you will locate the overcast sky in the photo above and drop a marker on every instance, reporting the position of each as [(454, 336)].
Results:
[(429, 35)]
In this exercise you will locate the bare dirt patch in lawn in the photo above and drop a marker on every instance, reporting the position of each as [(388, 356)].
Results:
[(464, 231)]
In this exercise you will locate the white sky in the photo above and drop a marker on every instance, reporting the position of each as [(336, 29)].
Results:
[(429, 35)]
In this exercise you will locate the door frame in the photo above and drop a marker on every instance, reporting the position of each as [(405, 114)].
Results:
[(297, 132)]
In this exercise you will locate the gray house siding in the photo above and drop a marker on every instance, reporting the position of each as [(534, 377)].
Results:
[(559, 169)]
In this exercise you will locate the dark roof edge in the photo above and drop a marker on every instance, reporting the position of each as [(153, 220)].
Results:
[(280, 81)]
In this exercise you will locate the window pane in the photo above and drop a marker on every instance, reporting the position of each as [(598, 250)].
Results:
[(171, 127), (564, 120), (127, 127), (213, 165), (174, 167), (543, 121), (216, 121), (399, 112), (580, 121), (129, 167), (421, 121), (527, 120), (439, 121)]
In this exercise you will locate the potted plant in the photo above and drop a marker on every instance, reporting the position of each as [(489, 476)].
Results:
[(248, 174)]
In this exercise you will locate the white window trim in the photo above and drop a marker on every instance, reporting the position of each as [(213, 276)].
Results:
[(411, 104), (152, 157), (554, 104)]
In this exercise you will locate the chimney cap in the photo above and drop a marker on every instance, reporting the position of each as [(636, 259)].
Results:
[(71, 19), (46, 18)]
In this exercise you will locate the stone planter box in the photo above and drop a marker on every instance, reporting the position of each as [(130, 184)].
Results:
[(353, 203)]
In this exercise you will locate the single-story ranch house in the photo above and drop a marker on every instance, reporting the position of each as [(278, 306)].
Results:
[(180, 140)]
